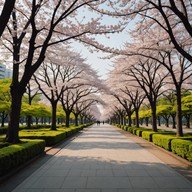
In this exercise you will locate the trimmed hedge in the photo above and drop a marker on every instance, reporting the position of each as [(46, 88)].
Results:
[(147, 135), (51, 137), (17, 154), (163, 140), (182, 147)]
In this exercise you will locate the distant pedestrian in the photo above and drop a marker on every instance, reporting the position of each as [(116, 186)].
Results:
[(103, 122)]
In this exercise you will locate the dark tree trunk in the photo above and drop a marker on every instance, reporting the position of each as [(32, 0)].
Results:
[(13, 127), (147, 121), (3, 119), (121, 119), (174, 123), (76, 119), (187, 117), (37, 120), (129, 120), (67, 118), (179, 115), (154, 117), (141, 121), (159, 121), (54, 118), (166, 121), (137, 117), (29, 121)]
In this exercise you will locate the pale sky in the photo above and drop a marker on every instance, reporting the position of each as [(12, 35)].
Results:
[(102, 66)]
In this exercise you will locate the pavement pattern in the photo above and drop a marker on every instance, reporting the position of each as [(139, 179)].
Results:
[(102, 159)]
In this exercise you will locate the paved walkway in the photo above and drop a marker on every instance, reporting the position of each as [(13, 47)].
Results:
[(102, 159)]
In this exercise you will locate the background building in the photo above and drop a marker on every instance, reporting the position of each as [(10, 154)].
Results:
[(5, 72)]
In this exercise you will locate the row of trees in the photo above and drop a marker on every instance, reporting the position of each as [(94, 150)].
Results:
[(157, 60), (162, 35), (63, 77), (36, 26)]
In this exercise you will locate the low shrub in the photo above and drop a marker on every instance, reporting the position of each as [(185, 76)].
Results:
[(17, 154), (130, 129), (50, 137), (182, 147), (147, 135), (163, 139)]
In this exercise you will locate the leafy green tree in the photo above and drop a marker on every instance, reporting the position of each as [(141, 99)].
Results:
[(5, 99), (165, 112), (187, 108)]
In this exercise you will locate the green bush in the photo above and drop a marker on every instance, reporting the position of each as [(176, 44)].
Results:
[(147, 135), (17, 154), (182, 147), (163, 140), (50, 137), (130, 129)]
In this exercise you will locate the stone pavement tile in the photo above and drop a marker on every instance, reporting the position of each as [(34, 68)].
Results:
[(185, 190), (95, 182), (29, 190), (74, 182), (74, 172), (117, 190), (88, 190), (119, 173), (137, 172), (27, 183), (164, 190), (104, 172), (106, 182), (59, 190), (57, 172), (89, 173), (48, 182), (143, 182), (173, 182)]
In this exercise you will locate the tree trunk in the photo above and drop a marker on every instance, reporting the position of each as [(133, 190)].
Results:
[(154, 117), (179, 115), (187, 121), (53, 118), (159, 121), (67, 118), (147, 121), (13, 127), (137, 117), (174, 123), (130, 120), (3, 119), (166, 121), (37, 120), (76, 119), (121, 119), (29, 120)]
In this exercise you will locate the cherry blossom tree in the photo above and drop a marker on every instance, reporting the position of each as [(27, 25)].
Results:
[(87, 84), (129, 96), (37, 25), (172, 16), (55, 74), (83, 104), (150, 78)]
